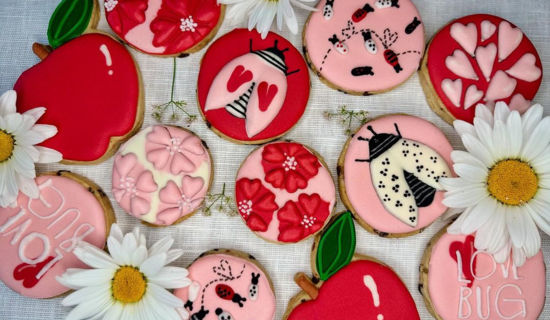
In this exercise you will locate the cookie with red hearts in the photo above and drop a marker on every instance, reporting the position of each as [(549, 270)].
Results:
[(284, 192), (252, 90), (460, 282), (345, 283), (89, 84), (479, 59), (38, 236), (165, 27)]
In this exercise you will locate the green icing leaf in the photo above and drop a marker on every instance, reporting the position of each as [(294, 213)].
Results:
[(69, 20), (336, 247)]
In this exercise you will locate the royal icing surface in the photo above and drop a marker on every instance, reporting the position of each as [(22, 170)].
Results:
[(469, 284), (252, 89), (361, 290), (365, 46), (163, 27), (90, 102), (392, 169), (284, 193), (226, 287), (37, 236), (483, 59), (161, 174)]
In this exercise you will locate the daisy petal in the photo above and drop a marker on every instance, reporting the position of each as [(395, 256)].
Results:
[(531, 118), (164, 296), (7, 103), (171, 278), (538, 141), (480, 214), (47, 155), (477, 149), (516, 225), (80, 278), (94, 257), (153, 264)]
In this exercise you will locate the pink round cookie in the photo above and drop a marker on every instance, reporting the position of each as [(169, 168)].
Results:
[(38, 236), (364, 47), (284, 192), (228, 286), (463, 283), (389, 174), (162, 174)]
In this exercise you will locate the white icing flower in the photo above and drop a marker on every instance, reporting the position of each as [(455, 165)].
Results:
[(130, 283), (19, 135), (503, 181), (260, 13)]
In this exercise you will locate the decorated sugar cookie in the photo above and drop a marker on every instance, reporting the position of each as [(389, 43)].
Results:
[(38, 236), (227, 285), (165, 27), (479, 59), (89, 84), (364, 47), (284, 192), (357, 286), (162, 174), (460, 282), (252, 90), (390, 172)]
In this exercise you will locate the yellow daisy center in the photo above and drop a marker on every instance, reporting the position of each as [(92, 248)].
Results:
[(512, 182), (128, 285), (7, 143)]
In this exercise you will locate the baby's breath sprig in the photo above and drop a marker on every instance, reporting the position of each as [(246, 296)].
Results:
[(348, 118), (173, 106), (221, 202)]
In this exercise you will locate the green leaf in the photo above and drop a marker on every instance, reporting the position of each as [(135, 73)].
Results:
[(336, 247), (69, 20)]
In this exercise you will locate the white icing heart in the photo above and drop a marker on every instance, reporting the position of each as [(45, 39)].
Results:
[(525, 68), (465, 35), (487, 29), (519, 103), (453, 90), (501, 86), (509, 39), (485, 57), (459, 63), (472, 96)]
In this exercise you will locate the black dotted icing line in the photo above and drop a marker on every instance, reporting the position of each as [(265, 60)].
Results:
[(222, 277)]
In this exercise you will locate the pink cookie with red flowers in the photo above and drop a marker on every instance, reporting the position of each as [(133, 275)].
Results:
[(38, 236), (165, 27), (460, 282), (284, 192), (162, 174), (479, 59)]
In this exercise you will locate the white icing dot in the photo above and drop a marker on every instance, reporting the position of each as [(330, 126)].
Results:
[(187, 24), (245, 207), (380, 317), (110, 5), (290, 163), (307, 221), (128, 184), (185, 202)]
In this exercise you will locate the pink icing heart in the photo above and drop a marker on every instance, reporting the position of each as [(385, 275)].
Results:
[(519, 103), (472, 96), (459, 63), (509, 39), (453, 90), (465, 35), (525, 68), (485, 57), (501, 86), (487, 29)]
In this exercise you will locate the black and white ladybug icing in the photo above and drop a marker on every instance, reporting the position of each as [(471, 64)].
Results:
[(223, 315), (253, 290), (383, 4), (338, 44), (328, 9), (370, 45)]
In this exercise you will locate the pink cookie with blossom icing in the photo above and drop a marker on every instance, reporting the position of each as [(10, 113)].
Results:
[(459, 282), (38, 236), (364, 47), (228, 285), (162, 174), (389, 174), (284, 192)]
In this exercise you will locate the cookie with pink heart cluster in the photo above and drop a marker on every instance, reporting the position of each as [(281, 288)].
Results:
[(162, 175), (479, 59)]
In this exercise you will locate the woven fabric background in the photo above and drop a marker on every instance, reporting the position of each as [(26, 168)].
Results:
[(23, 22)]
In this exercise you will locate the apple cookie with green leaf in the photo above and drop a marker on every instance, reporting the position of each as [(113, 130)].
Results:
[(89, 84), (346, 283)]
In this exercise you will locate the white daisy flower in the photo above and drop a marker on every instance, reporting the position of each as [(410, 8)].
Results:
[(260, 13), (503, 182), (19, 135), (130, 283)]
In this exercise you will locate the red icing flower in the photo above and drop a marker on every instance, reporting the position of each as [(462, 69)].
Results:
[(299, 219), (180, 25), (124, 15), (289, 165), (256, 203)]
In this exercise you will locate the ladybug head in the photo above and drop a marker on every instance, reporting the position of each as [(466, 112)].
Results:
[(274, 56), (380, 142)]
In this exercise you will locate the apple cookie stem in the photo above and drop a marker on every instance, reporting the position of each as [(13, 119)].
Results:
[(41, 50), (304, 282)]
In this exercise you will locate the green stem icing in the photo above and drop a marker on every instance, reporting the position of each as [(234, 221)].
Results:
[(69, 20), (336, 247)]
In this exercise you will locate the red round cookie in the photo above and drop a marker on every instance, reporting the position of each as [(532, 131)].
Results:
[(252, 90), (482, 59)]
